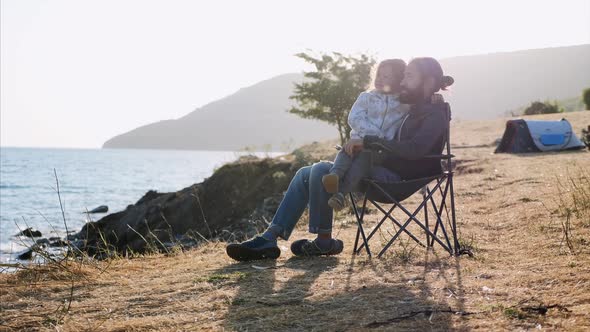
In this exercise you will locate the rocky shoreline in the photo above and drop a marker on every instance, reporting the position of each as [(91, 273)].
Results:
[(237, 201)]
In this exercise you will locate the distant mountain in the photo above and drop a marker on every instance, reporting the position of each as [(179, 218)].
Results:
[(486, 86), (256, 117)]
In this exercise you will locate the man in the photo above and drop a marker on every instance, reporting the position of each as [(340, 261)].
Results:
[(421, 134)]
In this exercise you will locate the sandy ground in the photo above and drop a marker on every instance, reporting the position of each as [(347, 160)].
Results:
[(522, 276)]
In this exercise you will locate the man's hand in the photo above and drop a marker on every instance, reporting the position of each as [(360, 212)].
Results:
[(353, 146)]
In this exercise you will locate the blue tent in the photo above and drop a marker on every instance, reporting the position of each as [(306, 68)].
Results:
[(523, 136)]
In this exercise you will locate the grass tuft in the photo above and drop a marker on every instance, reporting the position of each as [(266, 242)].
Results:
[(573, 208)]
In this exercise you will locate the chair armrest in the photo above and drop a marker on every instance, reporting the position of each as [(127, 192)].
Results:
[(379, 146)]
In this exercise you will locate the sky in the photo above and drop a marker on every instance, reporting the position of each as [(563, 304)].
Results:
[(76, 73)]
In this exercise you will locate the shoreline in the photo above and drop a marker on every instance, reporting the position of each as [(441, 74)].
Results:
[(11, 246)]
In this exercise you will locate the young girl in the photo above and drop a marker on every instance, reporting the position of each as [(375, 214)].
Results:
[(377, 112)]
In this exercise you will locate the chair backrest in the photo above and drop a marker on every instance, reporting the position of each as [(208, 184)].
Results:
[(404, 189)]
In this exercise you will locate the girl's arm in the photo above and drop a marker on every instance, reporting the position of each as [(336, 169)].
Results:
[(418, 145), (358, 118)]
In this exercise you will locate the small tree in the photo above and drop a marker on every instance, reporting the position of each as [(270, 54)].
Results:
[(586, 97), (333, 88), (538, 107)]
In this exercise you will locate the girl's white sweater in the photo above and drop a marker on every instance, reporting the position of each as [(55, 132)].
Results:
[(377, 114)]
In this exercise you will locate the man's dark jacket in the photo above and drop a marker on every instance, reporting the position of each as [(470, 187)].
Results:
[(422, 133)]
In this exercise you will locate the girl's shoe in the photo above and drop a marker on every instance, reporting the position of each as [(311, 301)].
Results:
[(337, 202), (330, 182), (358, 197)]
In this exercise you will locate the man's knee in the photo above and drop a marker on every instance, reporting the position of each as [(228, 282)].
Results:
[(318, 170), (322, 166), (303, 171), (302, 175)]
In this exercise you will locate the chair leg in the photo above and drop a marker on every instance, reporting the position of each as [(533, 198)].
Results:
[(438, 212), (356, 240), (360, 229), (426, 218), (403, 227), (453, 217), (388, 216), (412, 217), (373, 231)]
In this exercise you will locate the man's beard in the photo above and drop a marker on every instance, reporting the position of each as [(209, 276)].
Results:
[(411, 96)]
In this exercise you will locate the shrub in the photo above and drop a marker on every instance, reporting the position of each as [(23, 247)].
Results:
[(586, 136), (573, 208), (586, 97), (538, 107)]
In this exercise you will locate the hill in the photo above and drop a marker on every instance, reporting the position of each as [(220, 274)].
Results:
[(255, 117), (487, 86)]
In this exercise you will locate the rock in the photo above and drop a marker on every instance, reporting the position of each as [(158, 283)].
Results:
[(25, 256), (29, 232), (78, 244), (184, 241), (58, 243), (100, 209), (42, 241), (150, 195), (267, 208), (238, 200)]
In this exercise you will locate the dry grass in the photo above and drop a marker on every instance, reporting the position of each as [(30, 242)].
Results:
[(522, 276)]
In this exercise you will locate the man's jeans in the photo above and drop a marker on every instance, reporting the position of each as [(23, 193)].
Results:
[(305, 190)]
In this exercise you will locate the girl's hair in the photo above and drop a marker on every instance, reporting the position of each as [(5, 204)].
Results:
[(398, 67), (429, 67)]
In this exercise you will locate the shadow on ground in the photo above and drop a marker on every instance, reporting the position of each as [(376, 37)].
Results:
[(335, 294)]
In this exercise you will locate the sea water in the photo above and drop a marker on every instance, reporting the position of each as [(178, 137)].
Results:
[(87, 178)]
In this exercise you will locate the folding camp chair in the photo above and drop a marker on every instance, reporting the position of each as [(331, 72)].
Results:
[(378, 193)]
